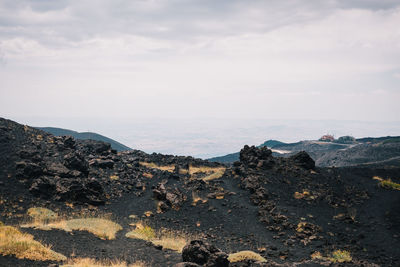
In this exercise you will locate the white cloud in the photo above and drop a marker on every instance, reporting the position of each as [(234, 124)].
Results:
[(182, 58)]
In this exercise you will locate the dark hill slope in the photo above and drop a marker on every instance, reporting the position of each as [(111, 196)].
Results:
[(283, 208), (381, 151), (84, 136)]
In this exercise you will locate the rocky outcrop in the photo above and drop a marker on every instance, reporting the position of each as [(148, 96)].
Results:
[(256, 157), (302, 159), (171, 197), (70, 190), (204, 254)]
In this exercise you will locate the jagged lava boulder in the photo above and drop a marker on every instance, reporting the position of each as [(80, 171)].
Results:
[(204, 254), (302, 159), (252, 157)]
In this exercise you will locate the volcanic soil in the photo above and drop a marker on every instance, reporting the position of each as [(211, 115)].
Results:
[(284, 209)]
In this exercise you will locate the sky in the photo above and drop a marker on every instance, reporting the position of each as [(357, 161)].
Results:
[(240, 60)]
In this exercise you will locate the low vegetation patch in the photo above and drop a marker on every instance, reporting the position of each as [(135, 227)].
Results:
[(165, 238), (317, 256), (340, 256), (212, 172), (337, 256), (152, 165), (389, 184), (245, 255), (142, 231), (23, 246), (197, 198), (103, 228), (114, 177), (88, 262), (42, 214)]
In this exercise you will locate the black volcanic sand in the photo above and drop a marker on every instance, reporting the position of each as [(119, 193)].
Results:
[(258, 210)]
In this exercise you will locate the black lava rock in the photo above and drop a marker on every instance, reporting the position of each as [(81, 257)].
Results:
[(205, 254)]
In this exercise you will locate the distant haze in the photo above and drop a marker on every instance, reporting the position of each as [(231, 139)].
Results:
[(154, 73), (208, 137)]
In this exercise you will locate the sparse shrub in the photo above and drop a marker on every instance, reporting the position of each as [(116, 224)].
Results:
[(88, 262), (317, 256), (340, 256), (142, 231), (166, 238), (23, 246), (42, 214), (245, 255), (389, 184)]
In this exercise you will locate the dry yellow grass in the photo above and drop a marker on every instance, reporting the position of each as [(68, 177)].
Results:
[(337, 256), (317, 256), (245, 255), (166, 238), (152, 165), (212, 172), (300, 226), (197, 198), (114, 177), (340, 256), (142, 231), (148, 175), (102, 228), (88, 262), (389, 184), (172, 242), (42, 214), (23, 246)]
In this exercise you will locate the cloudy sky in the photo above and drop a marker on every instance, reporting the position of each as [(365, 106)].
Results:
[(333, 59)]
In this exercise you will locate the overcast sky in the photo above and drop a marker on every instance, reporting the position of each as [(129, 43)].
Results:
[(333, 59)]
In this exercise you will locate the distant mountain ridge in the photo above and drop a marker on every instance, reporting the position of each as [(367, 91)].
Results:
[(361, 152), (84, 136)]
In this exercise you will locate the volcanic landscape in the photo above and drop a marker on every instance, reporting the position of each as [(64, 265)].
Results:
[(84, 201)]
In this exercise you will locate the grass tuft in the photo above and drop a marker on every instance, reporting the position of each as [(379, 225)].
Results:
[(245, 255), (212, 172), (114, 177), (166, 238), (317, 256), (88, 262), (42, 214), (102, 228), (389, 184), (152, 165), (142, 231), (23, 246), (340, 256), (197, 198)]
